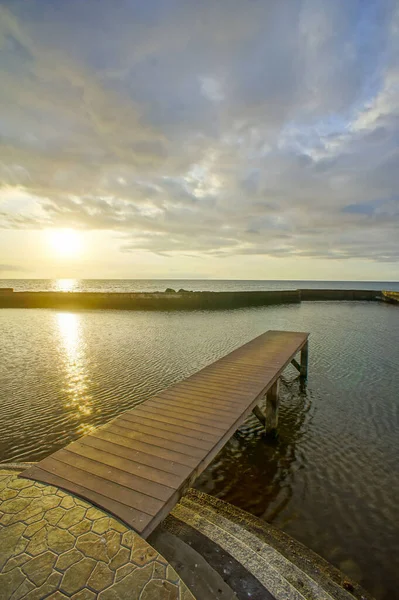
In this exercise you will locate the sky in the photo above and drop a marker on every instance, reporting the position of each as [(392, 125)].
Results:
[(232, 139)]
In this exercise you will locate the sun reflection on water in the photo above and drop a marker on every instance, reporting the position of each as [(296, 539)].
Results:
[(66, 285), (77, 378)]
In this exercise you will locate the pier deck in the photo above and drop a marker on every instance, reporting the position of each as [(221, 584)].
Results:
[(137, 466)]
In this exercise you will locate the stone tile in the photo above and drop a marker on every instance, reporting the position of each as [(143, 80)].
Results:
[(39, 568), (120, 559), (60, 540), (4, 481), (25, 587), (171, 574), (162, 560), (84, 595), (16, 561), (159, 570), (113, 542), (10, 542), (67, 502), (161, 590), (19, 483), (30, 492), (46, 589), (46, 503), (101, 578), (54, 515), (34, 528), (6, 494), (128, 538), (142, 553), (71, 517), (57, 596), (185, 593), (82, 527), (94, 513), (75, 578), (68, 559), (81, 502), (92, 545), (125, 570), (49, 490), (101, 525), (114, 524), (38, 543), (10, 582), (15, 505), (128, 587), (31, 515)]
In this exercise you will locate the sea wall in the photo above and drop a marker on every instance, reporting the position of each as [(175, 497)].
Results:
[(181, 300), (146, 301), (312, 295)]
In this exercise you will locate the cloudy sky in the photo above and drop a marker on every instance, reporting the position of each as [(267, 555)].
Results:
[(247, 139)]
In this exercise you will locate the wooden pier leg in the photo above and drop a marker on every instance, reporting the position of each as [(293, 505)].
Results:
[(272, 403), (259, 414), (304, 360)]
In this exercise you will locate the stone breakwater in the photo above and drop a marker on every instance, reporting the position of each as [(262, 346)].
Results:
[(181, 300)]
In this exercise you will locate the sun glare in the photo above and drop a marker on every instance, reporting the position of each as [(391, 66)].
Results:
[(65, 242)]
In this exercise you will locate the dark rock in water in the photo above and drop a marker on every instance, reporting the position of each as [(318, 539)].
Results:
[(183, 291), (170, 291)]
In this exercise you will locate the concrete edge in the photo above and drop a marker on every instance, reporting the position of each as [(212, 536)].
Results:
[(306, 559)]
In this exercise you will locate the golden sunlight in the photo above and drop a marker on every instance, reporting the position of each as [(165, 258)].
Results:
[(65, 242)]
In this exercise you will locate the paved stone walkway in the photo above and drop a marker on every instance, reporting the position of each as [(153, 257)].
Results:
[(56, 546)]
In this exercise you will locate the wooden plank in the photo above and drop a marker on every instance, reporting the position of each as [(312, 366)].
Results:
[(170, 480), (138, 465), (200, 422), (227, 391), (203, 424), (165, 434), (221, 417), (154, 440), (136, 519), (200, 396), (141, 458), (177, 459), (170, 424), (109, 489), (143, 488)]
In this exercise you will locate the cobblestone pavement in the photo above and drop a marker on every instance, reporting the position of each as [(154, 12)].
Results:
[(54, 545)]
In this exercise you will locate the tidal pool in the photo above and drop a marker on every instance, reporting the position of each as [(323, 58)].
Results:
[(330, 479)]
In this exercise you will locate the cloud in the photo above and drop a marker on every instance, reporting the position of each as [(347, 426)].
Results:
[(260, 128)]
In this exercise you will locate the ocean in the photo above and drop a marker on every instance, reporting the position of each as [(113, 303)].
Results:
[(160, 285)]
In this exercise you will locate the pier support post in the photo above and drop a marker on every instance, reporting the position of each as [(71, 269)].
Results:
[(259, 414), (272, 404), (304, 361)]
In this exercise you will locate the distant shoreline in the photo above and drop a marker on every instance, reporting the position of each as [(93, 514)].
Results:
[(182, 299)]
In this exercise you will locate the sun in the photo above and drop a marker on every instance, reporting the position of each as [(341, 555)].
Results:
[(65, 242)]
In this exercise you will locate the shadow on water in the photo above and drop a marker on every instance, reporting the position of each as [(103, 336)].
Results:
[(256, 472)]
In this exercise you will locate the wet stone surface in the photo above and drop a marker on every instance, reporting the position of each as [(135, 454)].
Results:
[(53, 545)]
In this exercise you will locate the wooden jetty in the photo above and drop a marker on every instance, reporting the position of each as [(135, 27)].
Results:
[(138, 466)]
